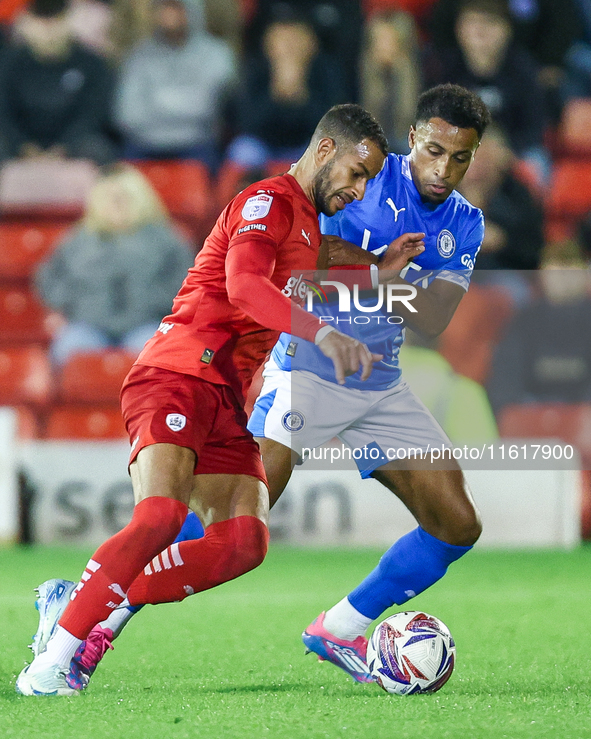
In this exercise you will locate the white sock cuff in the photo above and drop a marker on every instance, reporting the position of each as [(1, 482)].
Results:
[(345, 621), (60, 648)]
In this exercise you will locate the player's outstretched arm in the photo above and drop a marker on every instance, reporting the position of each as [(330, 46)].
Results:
[(343, 253), (248, 270)]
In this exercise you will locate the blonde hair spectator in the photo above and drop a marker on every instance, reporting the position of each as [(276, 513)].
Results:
[(122, 200)]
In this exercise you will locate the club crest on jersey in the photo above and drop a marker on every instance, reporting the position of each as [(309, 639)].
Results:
[(176, 421), (446, 243), (293, 421), (257, 207)]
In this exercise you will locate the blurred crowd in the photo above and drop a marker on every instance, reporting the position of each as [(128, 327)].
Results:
[(150, 110), (247, 81)]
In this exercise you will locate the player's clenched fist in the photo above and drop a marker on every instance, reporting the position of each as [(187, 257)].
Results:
[(347, 355)]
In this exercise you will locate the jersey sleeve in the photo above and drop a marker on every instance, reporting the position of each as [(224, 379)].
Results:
[(257, 227), (265, 216), (460, 267)]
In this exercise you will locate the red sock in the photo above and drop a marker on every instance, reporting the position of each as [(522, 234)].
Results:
[(228, 549), (155, 523)]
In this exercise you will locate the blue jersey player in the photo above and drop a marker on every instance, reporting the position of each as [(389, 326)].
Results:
[(413, 220), (410, 203)]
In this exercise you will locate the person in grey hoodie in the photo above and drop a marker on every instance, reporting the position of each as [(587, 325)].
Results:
[(173, 86), (115, 275)]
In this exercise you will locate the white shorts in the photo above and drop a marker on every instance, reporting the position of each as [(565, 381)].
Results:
[(302, 411)]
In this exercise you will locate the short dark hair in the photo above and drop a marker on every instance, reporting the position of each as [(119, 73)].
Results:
[(48, 8), (455, 105), (496, 8), (349, 124)]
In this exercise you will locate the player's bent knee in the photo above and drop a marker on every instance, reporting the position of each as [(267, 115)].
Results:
[(251, 544), (466, 529), (243, 542)]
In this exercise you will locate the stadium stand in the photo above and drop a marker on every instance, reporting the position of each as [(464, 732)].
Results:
[(23, 319), (94, 377), (24, 245), (570, 194), (574, 135), (185, 187), (25, 376), (468, 342), (49, 188), (569, 422), (85, 423)]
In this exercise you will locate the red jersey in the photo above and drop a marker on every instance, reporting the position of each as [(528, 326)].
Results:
[(230, 309)]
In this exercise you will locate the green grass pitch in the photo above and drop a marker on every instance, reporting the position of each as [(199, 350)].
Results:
[(230, 663)]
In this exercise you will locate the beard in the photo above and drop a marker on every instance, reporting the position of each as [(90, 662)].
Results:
[(322, 189)]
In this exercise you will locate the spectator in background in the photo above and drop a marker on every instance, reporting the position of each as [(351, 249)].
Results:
[(285, 90), (54, 93), (503, 74), (173, 87), (514, 217), (577, 82), (546, 28), (116, 273), (338, 25), (132, 22), (91, 23), (545, 355), (390, 81)]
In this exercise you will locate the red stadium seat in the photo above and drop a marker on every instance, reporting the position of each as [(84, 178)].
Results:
[(24, 245), (40, 188), (418, 8), (184, 186), (85, 423), (94, 377), (25, 376), (569, 422), (570, 194), (22, 317), (555, 229), (228, 183), (468, 342), (575, 132), (27, 423)]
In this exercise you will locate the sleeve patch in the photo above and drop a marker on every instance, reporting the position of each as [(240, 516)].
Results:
[(257, 207), (252, 227)]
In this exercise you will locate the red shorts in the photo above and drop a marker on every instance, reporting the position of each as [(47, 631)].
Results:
[(164, 407)]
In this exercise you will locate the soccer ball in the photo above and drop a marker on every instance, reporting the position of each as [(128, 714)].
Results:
[(411, 652)]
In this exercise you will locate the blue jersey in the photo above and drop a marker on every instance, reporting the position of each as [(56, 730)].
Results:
[(391, 207)]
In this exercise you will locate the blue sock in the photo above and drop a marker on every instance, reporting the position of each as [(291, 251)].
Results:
[(192, 529), (411, 565)]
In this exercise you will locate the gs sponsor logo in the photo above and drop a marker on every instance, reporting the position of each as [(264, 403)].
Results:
[(467, 261)]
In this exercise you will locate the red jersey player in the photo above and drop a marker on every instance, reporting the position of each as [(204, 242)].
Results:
[(183, 400)]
